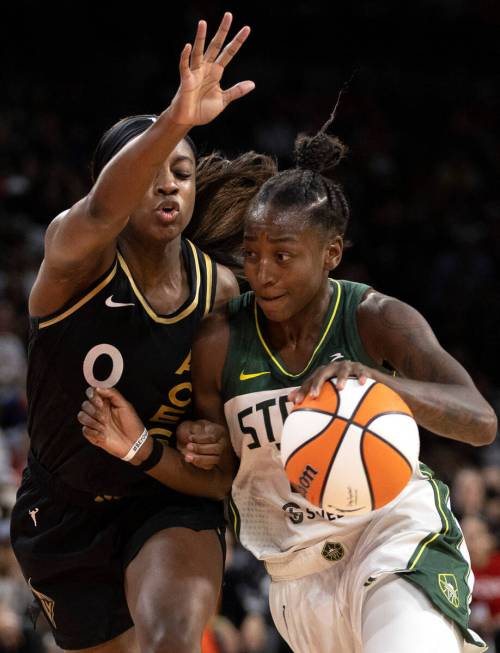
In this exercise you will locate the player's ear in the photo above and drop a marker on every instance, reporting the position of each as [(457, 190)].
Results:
[(333, 253)]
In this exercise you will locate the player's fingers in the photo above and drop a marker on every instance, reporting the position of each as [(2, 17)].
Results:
[(233, 46), (184, 60), (92, 436), (360, 372), (199, 45), (94, 397), (204, 438), (319, 381), (203, 462), (91, 410), (217, 42), (115, 397), (87, 420), (300, 393), (237, 91), (344, 370), (214, 449)]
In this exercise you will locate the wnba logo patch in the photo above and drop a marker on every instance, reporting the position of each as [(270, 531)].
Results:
[(448, 585), (333, 551)]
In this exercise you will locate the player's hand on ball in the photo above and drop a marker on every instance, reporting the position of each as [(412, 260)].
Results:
[(201, 442), (200, 97), (109, 421), (342, 370)]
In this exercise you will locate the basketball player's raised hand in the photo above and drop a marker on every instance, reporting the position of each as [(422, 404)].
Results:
[(200, 97), (109, 421)]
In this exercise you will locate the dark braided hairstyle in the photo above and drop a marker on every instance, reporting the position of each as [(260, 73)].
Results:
[(309, 187)]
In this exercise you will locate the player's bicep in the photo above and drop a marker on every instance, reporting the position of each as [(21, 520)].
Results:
[(75, 241), (402, 337)]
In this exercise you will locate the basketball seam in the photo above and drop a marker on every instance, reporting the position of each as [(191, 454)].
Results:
[(327, 474), (365, 467), (346, 427), (379, 437), (323, 412), (314, 437)]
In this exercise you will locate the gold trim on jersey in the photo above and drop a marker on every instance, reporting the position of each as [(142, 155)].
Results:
[(439, 506), (157, 318), (208, 263), (81, 302), (47, 603), (318, 346)]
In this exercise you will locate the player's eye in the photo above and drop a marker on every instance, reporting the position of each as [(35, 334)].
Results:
[(183, 174), (283, 256)]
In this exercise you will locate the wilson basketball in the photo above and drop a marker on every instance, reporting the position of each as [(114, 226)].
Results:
[(350, 451)]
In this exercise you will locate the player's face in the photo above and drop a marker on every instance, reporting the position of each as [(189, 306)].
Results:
[(167, 207), (287, 261)]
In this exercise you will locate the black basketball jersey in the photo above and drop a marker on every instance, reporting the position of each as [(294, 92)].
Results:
[(111, 336)]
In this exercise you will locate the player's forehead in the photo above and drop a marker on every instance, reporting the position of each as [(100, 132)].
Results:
[(182, 153), (276, 224)]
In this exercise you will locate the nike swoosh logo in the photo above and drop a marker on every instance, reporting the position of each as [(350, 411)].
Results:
[(245, 377), (111, 304), (336, 357)]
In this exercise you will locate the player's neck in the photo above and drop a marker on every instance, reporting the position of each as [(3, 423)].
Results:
[(152, 265), (303, 329)]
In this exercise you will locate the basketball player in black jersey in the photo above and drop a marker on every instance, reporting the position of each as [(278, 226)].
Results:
[(118, 561)]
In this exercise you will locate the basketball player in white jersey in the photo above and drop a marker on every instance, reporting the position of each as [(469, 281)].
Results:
[(397, 580)]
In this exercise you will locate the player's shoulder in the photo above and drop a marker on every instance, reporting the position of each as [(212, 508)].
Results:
[(227, 285), (213, 330), (377, 305)]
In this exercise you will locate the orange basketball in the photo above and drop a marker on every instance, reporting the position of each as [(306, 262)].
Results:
[(350, 451)]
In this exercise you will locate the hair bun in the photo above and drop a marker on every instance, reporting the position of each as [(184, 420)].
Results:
[(319, 152)]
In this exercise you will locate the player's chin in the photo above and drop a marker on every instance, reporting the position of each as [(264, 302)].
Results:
[(277, 310)]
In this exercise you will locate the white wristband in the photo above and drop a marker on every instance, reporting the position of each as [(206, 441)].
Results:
[(136, 446)]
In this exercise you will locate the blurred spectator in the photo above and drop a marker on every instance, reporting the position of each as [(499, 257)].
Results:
[(485, 560), (468, 492)]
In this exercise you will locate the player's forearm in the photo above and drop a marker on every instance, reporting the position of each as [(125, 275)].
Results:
[(178, 475), (452, 411), (126, 178)]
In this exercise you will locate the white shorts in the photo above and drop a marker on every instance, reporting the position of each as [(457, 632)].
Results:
[(319, 613), (329, 581)]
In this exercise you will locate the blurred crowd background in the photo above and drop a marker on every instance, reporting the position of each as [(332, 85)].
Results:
[(421, 119)]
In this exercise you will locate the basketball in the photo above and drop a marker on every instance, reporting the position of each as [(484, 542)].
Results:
[(350, 451)]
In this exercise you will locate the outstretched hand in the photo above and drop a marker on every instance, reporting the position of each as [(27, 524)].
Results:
[(109, 421), (200, 97)]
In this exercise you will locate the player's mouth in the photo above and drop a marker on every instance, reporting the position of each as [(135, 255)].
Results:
[(168, 210), (269, 300)]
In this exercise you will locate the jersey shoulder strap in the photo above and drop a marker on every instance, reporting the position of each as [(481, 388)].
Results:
[(203, 271), (353, 294)]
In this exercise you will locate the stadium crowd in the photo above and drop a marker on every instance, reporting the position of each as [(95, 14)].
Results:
[(422, 178)]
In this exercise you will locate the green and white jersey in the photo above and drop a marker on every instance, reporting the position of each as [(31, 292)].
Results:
[(270, 518), (415, 535)]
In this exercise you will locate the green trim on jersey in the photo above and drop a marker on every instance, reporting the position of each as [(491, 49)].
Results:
[(252, 365), (437, 566), (234, 517)]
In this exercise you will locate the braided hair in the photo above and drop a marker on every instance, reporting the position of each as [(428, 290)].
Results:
[(310, 187)]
